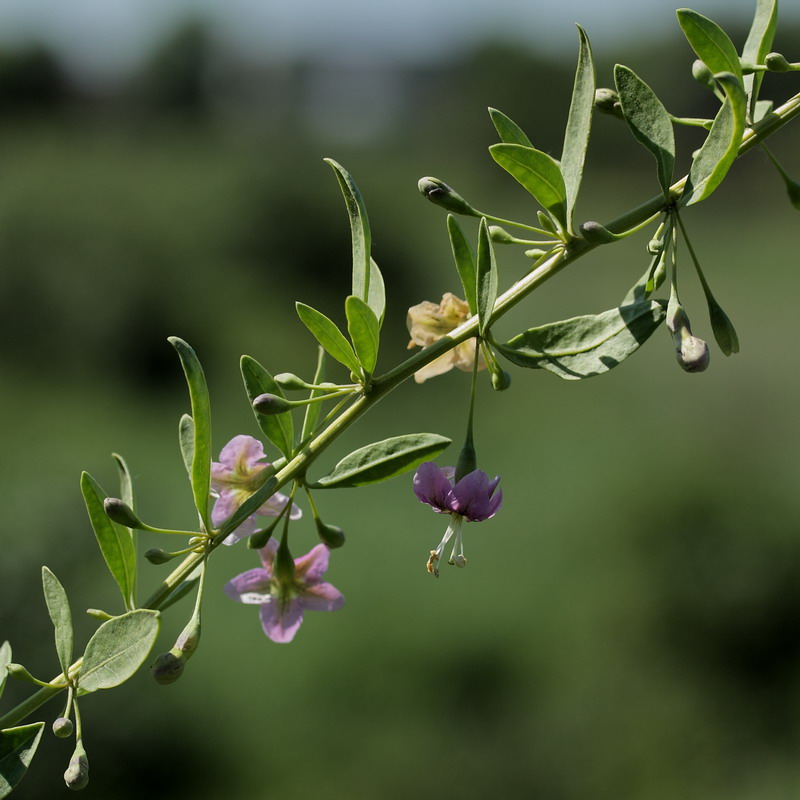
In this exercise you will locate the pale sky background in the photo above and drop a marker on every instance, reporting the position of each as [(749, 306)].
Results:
[(108, 37)]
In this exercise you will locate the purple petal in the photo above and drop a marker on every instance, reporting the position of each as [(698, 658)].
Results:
[(267, 554), (281, 624), (249, 587), (432, 486), (275, 504), (322, 597), (238, 460), (472, 496), (313, 565)]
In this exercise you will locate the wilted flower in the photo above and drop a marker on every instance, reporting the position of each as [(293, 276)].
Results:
[(472, 498), (428, 322), (235, 477), (283, 598)]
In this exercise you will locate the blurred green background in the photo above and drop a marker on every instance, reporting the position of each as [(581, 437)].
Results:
[(628, 625)]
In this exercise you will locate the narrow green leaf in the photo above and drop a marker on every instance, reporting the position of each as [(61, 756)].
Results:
[(117, 649), (114, 539), (465, 262), (711, 44), (125, 480), (329, 336), (201, 414), (539, 173), (758, 44), (359, 229), (313, 409), (376, 299), (364, 330), (250, 506), (382, 460), (58, 608), (648, 120), (5, 660), (278, 428), (724, 332), (186, 440), (17, 749), (719, 151), (486, 278), (585, 346), (579, 124), (508, 130)]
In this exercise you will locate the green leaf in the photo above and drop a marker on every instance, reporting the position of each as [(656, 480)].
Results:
[(117, 649), (712, 162), (5, 660), (723, 329), (585, 346), (364, 330), (359, 229), (382, 460), (313, 409), (579, 124), (709, 42), (186, 440), (125, 480), (201, 414), (539, 173), (17, 749), (250, 506), (115, 540), (648, 120), (465, 262), (278, 428), (329, 336), (486, 279), (508, 130), (758, 44), (58, 608), (376, 299)]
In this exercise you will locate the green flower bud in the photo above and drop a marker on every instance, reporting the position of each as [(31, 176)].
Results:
[(98, 613), (692, 353), (121, 513), (271, 404), (775, 62), (536, 252), (330, 535), (607, 101), (546, 222), (595, 233), (168, 667), (289, 380), (501, 380), (155, 555), (655, 246), (500, 235), (77, 775), (440, 194), (702, 74), (63, 727)]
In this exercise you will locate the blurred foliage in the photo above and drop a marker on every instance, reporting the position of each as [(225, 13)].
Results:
[(628, 624)]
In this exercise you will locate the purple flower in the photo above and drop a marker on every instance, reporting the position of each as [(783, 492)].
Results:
[(472, 498), (284, 598), (235, 477)]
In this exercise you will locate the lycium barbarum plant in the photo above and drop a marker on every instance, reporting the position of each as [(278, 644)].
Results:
[(238, 497)]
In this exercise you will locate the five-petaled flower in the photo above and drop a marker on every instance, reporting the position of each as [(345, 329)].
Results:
[(235, 477), (284, 597), (472, 498), (428, 322)]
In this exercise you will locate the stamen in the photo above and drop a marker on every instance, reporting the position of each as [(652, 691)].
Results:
[(431, 566)]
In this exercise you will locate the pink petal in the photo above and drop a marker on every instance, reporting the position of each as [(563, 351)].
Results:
[(248, 586), (281, 625), (267, 554), (238, 460), (313, 565), (322, 597)]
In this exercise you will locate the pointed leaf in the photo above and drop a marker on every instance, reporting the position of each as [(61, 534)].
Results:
[(579, 124), (585, 346), (539, 173), (364, 330), (486, 282), (5, 660), (711, 44), (508, 130), (114, 539), (359, 229), (17, 749), (648, 120), (382, 460), (329, 336), (117, 649), (278, 428), (714, 159), (201, 414), (186, 440), (58, 608), (125, 480), (465, 262), (723, 329), (376, 299), (312, 410), (758, 44)]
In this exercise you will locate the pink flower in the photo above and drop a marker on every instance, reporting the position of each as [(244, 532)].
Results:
[(285, 597), (236, 475)]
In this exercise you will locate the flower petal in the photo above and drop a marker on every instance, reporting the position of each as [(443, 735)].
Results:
[(322, 596), (267, 554), (248, 586), (432, 486), (310, 568), (238, 460), (472, 496), (281, 624)]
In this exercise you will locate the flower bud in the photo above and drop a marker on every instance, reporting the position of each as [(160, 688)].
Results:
[(330, 535), (536, 252), (440, 194), (121, 513), (501, 380), (98, 613), (607, 101), (77, 775), (595, 233), (500, 235), (692, 353), (655, 246), (155, 555), (271, 404), (546, 222), (63, 727), (775, 62), (702, 74), (168, 667)]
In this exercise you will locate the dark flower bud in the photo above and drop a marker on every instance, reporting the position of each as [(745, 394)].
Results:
[(155, 555), (501, 380), (168, 667), (607, 101), (63, 727), (440, 194), (77, 775), (121, 513), (271, 404), (702, 74), (330, 535), (775, 62)]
